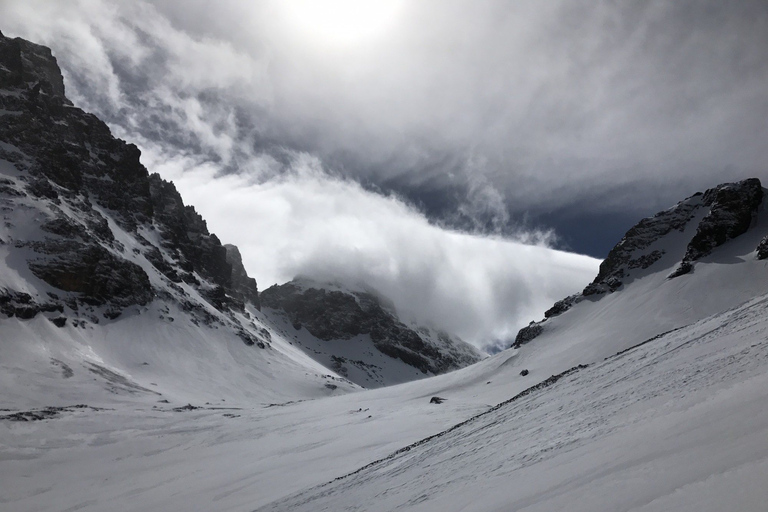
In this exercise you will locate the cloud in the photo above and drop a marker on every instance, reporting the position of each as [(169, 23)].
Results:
[(563, 102), (486, 115), (309, 223)]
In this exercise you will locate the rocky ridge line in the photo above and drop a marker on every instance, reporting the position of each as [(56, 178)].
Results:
[(334, 314), (730, 211), (76, 178)]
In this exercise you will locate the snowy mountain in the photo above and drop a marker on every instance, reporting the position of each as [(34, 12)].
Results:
[(358, 334), (110, 284), (104, 261), (139, 372), (669, 270)]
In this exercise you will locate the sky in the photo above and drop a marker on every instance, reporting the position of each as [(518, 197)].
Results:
[(459, 155)]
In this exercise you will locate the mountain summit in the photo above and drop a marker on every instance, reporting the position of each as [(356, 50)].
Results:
[(358, 334), (703, 229)]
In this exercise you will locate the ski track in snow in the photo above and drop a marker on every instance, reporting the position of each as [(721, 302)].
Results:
[(639, 431), (659, 427)]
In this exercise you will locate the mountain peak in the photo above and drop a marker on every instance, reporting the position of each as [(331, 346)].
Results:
[(675, 238), (332, 312), (30, 66)]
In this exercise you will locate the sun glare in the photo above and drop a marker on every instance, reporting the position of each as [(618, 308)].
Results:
[(343, 21)]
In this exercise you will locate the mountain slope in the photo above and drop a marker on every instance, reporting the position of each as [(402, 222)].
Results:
[(675, 421), (107, 274), (640, 290), (676, 424), (358, 334)]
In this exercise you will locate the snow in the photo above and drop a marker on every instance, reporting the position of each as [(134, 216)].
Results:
[(642, 431), (678, 423), (646, 430)]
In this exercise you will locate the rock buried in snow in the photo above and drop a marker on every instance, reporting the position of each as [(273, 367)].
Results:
[(188, 407), (436, 400), (524, 373)]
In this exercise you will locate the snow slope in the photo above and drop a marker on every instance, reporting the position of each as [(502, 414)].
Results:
[(677, 423), (657, 400)]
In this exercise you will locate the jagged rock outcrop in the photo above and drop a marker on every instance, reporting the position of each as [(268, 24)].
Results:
[(27, 62), (630, 253), (723, 212), (527, 333), (75, 175), (333, 314), (762, 248), (732, 207), (242, 286)]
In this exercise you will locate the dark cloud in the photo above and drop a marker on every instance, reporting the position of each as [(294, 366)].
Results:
[(549, 104), (509, 118)]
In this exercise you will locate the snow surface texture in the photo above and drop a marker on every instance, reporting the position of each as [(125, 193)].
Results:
[(677, 423)]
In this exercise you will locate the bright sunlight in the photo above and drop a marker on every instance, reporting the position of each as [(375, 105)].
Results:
[(343, 21)]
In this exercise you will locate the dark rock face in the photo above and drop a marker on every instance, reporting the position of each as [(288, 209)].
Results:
[(186, 234), (762, 249), (527, 333), (70, 162), (95, 274), (242, 286), (561, 306), (22, 305), (27, 62), (628, 253), (330, 315), (732, 208)]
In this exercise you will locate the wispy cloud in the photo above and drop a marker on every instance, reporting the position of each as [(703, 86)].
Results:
[(484, 114), (306, 222)]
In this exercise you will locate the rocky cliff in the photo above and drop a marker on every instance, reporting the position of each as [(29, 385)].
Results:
[(84, 216), (331, 312)]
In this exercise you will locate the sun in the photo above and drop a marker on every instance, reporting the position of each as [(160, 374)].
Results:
[(343, 21)]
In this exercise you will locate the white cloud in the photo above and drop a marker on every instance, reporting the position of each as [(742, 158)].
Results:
[(177, 96), (308, 223)]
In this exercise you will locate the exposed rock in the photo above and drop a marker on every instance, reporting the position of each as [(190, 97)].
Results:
[(762, 249), (60, 321), (561, 306), (336, 314), (242, 286), (98, 276), (71, 162), (154, 256), (436, 400), (524, 373), (22, 305), (732, 207), (527, 333), (629, 253), (29, 63)]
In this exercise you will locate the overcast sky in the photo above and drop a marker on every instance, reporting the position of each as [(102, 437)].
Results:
[(523, 124)]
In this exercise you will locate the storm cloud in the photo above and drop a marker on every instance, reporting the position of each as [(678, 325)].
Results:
[(494, 125)]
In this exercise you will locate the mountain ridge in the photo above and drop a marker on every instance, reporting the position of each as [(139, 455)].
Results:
[(720, 214), (92, 237)]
